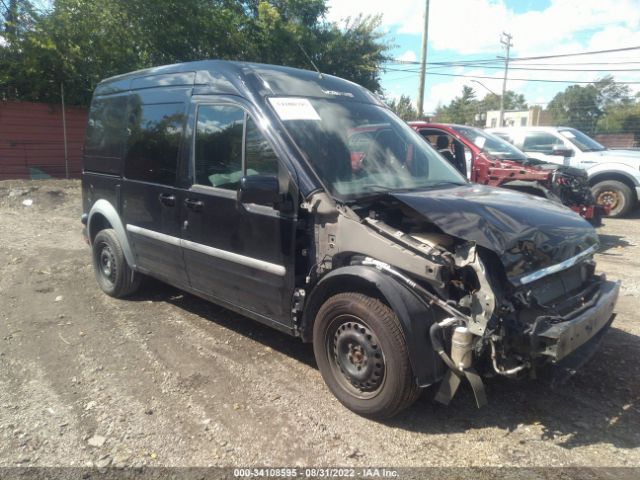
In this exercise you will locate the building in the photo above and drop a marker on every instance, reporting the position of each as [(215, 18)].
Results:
[(534, 117)]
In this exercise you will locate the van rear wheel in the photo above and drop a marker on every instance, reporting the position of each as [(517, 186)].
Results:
[(363, 356), (113, 274)]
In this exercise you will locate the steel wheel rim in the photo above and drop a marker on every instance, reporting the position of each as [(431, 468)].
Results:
[(355, 356), (107, 264), (610, 198)]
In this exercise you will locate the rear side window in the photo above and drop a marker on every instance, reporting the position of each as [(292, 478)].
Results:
[(105, 129), (105, 137), (155, 132), (540, 142), (219, 152)]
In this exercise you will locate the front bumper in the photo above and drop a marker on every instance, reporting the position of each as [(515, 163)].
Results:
[(559, 339)]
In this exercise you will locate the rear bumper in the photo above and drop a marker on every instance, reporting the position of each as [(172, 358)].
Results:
[(560, 339)]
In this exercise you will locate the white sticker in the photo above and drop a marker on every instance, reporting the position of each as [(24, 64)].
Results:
[(567, 134), (289, 108), (480, 141)]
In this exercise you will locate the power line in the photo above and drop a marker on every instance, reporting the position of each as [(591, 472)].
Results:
[(522, 59), (603, 70), (518, 79)]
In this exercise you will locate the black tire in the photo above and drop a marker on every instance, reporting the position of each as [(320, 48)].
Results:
[(363, 356), (615, 194), (113, 274)]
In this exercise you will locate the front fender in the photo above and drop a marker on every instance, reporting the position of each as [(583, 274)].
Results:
[(108, 211), (633, 174), (415, 317)]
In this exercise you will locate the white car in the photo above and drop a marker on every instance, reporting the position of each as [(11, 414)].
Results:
[(614, 175)]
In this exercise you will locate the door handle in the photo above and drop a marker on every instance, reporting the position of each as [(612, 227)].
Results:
[(167, 199), (195, 205)]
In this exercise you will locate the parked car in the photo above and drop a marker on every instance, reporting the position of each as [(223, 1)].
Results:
[(490, 160), (614, 175), (237, 182)]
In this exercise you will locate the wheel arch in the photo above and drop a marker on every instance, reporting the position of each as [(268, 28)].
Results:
[(104, 215), (415, 317), (617, 176)]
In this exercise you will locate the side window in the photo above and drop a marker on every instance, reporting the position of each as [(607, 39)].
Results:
[(503, 136), (218, 146), (155, 132), (106, 127), (260, 159), (541, 142), (431, 136)]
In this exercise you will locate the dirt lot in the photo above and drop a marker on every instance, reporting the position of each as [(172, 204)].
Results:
[(167, 379)]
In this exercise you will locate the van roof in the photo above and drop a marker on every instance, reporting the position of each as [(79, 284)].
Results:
[(239, 78)]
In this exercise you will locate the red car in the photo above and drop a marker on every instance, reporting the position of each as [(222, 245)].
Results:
[(487, 159)]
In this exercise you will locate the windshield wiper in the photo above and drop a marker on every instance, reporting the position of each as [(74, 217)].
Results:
[(444, 184), (376, 188)]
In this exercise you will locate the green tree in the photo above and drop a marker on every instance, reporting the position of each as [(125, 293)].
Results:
[(512, 101), (582, 107), (79, 42), (462, 109), (403, 108)]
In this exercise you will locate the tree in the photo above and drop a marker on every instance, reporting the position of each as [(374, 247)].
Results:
[(403, 108), (462, 109), (582, 107), (512, 101), (18, 15), (576, 107), (80, 42)]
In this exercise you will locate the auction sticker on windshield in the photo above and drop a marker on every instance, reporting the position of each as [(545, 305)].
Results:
[(289, 108)]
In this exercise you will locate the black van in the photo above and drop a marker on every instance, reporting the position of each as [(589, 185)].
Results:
[(300, 200)]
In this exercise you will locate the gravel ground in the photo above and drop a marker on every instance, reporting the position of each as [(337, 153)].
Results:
[(167, 379)]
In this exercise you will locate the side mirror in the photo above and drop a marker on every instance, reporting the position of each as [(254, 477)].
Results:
[(260, 189), (562, 151)]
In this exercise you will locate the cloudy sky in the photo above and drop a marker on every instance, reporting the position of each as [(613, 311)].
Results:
[(469, 30)]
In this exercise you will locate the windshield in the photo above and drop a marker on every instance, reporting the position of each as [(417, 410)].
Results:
[(491, 144), (359, 149), (582, 141)]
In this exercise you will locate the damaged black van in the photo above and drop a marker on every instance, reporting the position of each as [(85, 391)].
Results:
[(300, 200)]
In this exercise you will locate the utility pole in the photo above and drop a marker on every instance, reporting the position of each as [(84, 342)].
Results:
[(423, 60), (505, 39), (64, 133)]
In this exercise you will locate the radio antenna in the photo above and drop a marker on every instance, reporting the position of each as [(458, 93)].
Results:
[(311, 61)]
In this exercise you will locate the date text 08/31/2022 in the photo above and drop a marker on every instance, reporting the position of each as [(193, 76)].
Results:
[(321, 472)]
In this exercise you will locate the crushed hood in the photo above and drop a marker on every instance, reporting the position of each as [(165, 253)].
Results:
[(526, 232)]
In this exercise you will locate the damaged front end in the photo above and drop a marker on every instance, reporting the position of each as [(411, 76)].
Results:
[(571, 186), (514, 288), (566, 185)]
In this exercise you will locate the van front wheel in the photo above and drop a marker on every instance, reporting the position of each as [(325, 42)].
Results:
[(363, 356), (113, 274)]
